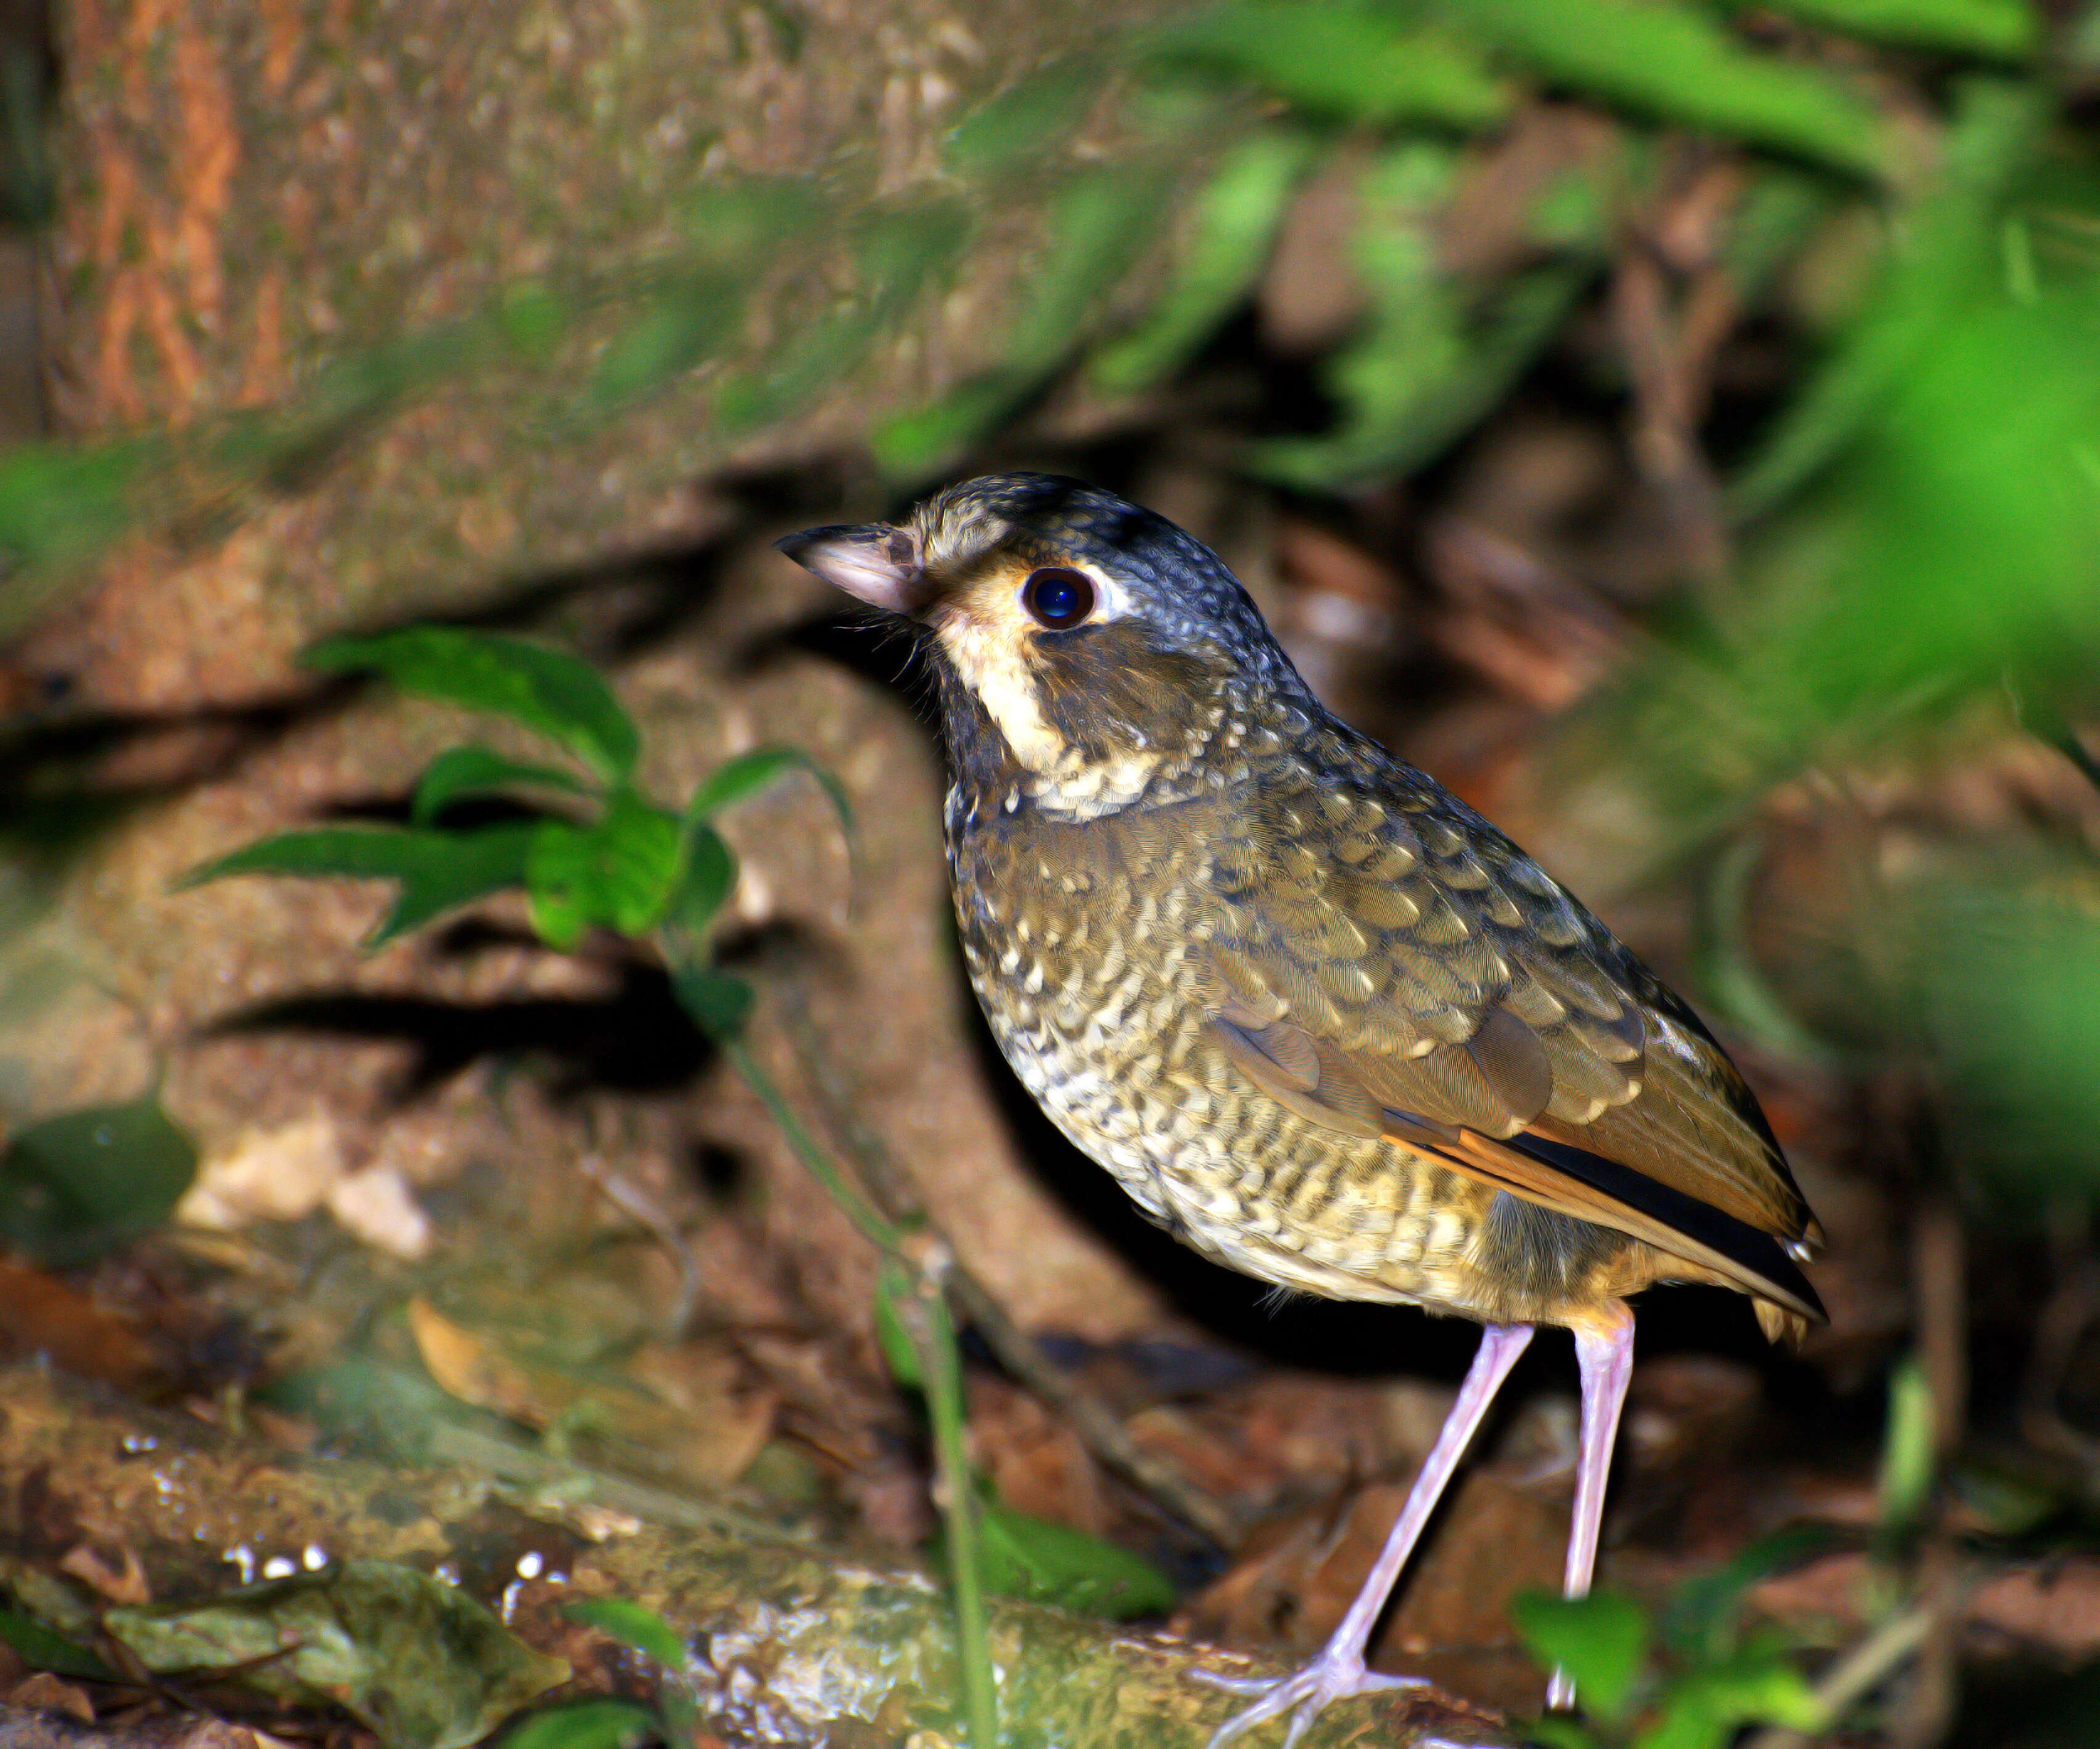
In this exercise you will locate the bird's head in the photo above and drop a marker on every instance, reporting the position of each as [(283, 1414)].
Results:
[(1099, 644)]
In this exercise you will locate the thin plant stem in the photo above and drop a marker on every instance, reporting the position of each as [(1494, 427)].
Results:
[(879, 1232), (956, 1494), (1863, 1668), (926, 1262)]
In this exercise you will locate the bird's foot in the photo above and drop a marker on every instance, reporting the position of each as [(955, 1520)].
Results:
[(1336, 1674)]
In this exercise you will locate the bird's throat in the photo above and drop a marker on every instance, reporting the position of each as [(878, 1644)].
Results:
[(989, 661), (1044, 765)]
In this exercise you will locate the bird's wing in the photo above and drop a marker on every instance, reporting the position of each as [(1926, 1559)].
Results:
[(1386, 962)]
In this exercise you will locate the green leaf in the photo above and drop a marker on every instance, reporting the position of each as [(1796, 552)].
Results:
[(1677, 61), (414, 1659), (736, 227), (42, 1648), (632, 1625), (586, 1724), (86, 1182), (476, 770), (2004, 30), (710, 873), (1700, 1622), (1023, 1557), (1600, 1640), (899, 1351), (655, 1638), (1705, 1707), (1945, 254), (438, 871), (60, 502), (810, 359), (737, 779), (1420, 378), (689, 317), (897, 250), (718, 1002), (547, 691), (1017, 128), (915, 445), (683, 325), (1099, 221), (1234, 221), (1559, 1730), (621, 870), (1355, 62), (534, 319), (1773, 224), (385, 1409)]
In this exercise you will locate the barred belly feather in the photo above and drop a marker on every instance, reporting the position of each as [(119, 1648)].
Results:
[(1083, 982)]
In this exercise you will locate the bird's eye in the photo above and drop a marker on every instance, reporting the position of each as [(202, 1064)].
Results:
[(1056, 597)]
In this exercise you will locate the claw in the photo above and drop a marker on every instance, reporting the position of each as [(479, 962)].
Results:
[(1330, 1677)]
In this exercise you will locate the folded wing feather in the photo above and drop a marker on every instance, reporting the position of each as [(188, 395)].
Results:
[(1443, 992)]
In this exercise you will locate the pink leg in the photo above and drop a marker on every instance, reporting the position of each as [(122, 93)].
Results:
[(1607, 1361), (1339, 1671)]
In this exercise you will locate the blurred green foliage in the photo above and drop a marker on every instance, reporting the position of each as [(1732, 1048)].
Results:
[(1908, 1460), (1911, 531), (1156, 171), (1691, 1680), (87, 1182)]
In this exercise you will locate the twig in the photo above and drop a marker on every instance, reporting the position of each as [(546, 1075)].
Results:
[(1859, 1671), (1668, 358), (1096, 1423), (2074, 749), (1939, 1278), (447, 1442), (1939, 1274), (639, 1206), (1730, 969), (2065, 1316)]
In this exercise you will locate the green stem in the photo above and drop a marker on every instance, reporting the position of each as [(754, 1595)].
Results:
[(884, 1236), (926, 1261), (956, 1497)]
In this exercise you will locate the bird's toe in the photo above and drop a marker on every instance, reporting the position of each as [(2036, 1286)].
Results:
[(1304, 1694)]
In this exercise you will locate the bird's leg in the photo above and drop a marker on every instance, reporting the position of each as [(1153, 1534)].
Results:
[(1339, 1671), (1606, 1358)]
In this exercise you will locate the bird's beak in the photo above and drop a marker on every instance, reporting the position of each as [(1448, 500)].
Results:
[(874, 561)]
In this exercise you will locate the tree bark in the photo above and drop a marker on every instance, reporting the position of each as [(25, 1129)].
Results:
[(260, 202)]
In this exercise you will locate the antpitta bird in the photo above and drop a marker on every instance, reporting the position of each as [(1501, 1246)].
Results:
[(1316, 1016)]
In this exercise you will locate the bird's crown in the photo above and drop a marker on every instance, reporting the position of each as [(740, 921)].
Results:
[(1099, 643)]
